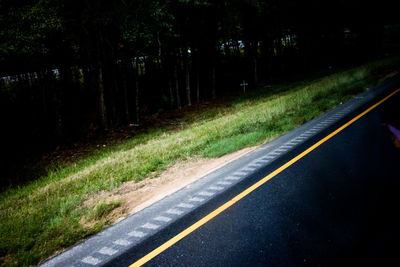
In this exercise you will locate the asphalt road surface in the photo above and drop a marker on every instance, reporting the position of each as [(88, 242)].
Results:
[(336, 206)]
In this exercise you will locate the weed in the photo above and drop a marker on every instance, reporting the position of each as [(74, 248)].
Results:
[(103, 209)]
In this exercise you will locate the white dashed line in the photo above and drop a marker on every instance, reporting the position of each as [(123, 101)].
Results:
[(122, 242), (224, 183), (232, 178), (205, 193), (196, 199), (151, 226), (174, 211), (185, 205), (91, 260), (268, 157), (248, 168), (138, 234), (240, 173), (213, 187), (162, 219), (107, 251)]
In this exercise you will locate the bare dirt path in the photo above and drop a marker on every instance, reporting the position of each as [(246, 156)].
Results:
[(137, 196)]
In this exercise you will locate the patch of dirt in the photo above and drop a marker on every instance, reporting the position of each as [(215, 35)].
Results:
[(135, 196)]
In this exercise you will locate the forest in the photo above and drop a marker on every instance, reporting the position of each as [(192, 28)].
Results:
[(76, 69)]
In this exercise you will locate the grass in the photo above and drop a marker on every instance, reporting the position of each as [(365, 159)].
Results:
[(103, 209), (45, 216)]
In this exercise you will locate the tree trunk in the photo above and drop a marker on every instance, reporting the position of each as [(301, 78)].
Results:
[(227, 50), (197, 86), (213, 93), (187, 76), (112, 92), (125, 91), (102, 105), (178, 98), (171, 90), (237, 49), (47, 79), (255, 52), (137, 92), (59, 120), (99, 55), (137, 101), (159, 45), (196, 63), (61, 95)]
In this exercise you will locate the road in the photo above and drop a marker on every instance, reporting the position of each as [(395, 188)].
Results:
[(323, 194), (338, 205)]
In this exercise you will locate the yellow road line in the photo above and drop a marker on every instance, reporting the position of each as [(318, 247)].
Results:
[(225, 206)]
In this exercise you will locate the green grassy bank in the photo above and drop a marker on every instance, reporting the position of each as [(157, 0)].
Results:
[(45, 216)]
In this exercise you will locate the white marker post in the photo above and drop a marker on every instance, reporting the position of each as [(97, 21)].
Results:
[(243, 84)]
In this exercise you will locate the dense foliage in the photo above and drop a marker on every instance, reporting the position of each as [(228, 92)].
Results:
[(71, 68)]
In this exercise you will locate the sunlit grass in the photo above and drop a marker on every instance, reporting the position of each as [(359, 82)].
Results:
[(45, 216)]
